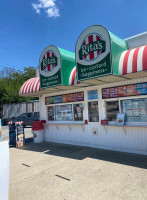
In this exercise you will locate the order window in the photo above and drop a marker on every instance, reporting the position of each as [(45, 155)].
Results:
[(135, 109), (63, 113), (93, 111), (112, 108)]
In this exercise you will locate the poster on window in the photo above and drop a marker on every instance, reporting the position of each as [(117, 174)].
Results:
[(67, 98), (141, 88), (46, 100), (58, 99), (93, 94), (50, 113), (120, 119), (78, 112), (93, 111)]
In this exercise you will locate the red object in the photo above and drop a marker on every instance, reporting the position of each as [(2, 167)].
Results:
[(86, 121), (43, 121), (37, 126), (104, 122)]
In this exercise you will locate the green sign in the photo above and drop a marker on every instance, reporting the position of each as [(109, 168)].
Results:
[(93, 53), (50, 67)]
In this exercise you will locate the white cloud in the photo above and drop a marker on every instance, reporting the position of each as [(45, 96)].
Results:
[(49, 6)]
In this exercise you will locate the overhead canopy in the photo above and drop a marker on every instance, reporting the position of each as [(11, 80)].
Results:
[(133, 60), (30, 86)]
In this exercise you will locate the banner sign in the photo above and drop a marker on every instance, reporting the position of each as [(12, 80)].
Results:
[(93, 53), (20, 134), (92, 94), (124, 91), (65, 98), (141, 88), (12, 133), (50, 67)]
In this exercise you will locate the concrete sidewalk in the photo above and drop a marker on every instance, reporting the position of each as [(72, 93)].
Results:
[(50, 171)]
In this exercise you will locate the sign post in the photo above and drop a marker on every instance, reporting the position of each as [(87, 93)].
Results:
[(12, 133)]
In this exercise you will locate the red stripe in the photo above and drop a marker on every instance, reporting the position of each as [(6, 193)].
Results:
[(27, 85), (33, 83), (73, 77), (48, 67), (53, 56), (84, 44), (36, 85), (97, 39), (29, 91), (125, 62), (90, 40), (134, 61), (144, 61)]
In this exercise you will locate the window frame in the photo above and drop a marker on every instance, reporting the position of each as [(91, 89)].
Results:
[(65, 122)]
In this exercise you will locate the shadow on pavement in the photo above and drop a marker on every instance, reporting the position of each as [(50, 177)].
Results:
[(80, 153)]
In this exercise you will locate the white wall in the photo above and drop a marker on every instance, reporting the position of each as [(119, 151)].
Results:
[(128, 139), (137, 40)]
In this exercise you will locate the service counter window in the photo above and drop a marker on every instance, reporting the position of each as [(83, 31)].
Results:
[(135, 110), (112, 108), (63, 113), (93, 111), (78, 112)]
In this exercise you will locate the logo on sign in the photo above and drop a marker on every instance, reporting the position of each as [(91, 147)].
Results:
[(49, 61), (92, 46)]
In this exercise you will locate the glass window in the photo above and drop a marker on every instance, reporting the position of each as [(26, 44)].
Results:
[(135, 109), (36, 114), (93, 112), (78, 112), (112, 108), (51, 113), (23, 116), (29, 115), (64, 113)]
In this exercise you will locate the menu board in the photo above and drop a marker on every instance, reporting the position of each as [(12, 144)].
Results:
[(124, 91), (67, 98), (20, 135), (141, 88), (73, 97), (58, 99), (92, 94), (110, 92)]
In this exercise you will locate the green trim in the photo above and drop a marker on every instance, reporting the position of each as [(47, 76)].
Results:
[(118, 46)]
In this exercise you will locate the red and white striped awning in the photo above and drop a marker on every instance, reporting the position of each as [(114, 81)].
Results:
[(30, 86), (133, 60), (72, 77)]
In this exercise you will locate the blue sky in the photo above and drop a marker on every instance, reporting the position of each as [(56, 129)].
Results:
[(28, 26)]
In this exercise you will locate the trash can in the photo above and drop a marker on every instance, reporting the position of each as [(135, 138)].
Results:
[(37, 130)]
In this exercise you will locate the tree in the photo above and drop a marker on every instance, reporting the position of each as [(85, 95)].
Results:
[(11, 82)]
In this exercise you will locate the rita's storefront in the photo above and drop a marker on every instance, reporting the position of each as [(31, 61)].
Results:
[(96, 97)]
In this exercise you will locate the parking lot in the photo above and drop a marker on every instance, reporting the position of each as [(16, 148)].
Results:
[(50, 171)]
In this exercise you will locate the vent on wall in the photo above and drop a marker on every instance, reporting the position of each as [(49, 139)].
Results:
[(94, 131)]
